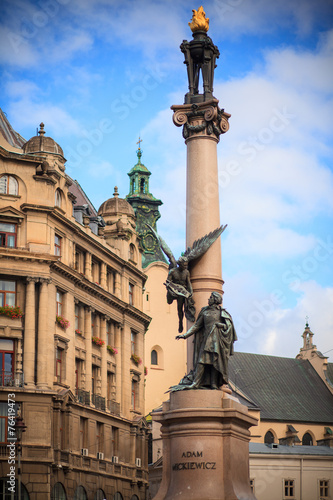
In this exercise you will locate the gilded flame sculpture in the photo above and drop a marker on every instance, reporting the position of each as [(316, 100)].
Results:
[(199, 21)]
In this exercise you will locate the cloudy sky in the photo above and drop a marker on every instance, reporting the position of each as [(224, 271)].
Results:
[(101, 73)]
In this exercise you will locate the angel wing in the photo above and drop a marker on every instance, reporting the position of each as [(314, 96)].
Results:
[(201, 246), (164, 247)]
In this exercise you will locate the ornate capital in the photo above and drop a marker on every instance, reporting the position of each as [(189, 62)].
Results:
[(205, 119), (46, 281), (32, 279)]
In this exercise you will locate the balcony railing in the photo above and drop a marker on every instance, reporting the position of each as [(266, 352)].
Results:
[(83, 397), (9, 379), (114, 407), (98, 401)]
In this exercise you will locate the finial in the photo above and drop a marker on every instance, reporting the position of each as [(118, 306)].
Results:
[(199, 22), (115, 194), (307, 321), (139, 151), (41, 130)]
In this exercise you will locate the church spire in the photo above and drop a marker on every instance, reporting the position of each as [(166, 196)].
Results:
[(145, 206)]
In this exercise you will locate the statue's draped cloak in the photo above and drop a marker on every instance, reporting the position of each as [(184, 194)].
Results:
[(213, 344)]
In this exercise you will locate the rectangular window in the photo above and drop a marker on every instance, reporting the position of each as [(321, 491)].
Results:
[(289, 488), (7, 293), (324, 489), (100, 436), (7, 235), (83, 432), (59, 303), (133, 342), (57, 245), (94, 377), (133, 393), (4, 420), (252, 485), (77, 319), (130, 294), (6, 362), (59, 355)]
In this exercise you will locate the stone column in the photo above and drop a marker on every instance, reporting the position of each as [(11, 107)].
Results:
[(103, 275), (87, 335), (30, 333), (103, 359), (45, 347), (87, 267), (117, 344), (202, 125), (117, 285)]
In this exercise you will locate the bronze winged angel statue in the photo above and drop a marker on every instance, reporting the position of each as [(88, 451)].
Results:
[(178, 282)]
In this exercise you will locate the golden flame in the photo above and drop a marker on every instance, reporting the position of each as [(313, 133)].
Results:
[(199, 21)]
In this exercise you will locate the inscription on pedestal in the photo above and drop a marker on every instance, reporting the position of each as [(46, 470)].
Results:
[(193, 465)]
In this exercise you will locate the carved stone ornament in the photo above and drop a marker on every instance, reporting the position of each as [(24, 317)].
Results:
[(205, 119)]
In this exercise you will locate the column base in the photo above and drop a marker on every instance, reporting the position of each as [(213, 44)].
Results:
[(205, 447)]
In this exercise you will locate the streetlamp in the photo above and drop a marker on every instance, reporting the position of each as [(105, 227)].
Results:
[(20, 427)]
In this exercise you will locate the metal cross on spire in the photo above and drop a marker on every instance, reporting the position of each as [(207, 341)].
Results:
[(139, 141)]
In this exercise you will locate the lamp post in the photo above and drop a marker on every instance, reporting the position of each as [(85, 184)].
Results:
[(20, 427)]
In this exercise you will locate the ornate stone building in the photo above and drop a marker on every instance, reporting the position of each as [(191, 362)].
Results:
[(72, 331)]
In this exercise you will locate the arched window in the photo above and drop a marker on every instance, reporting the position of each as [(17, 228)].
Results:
[(132, 253), (153, 357), (8, 185), (58, 492), (99, 495), (307, 439), (134, 497), (57, 201), (269, 437), (118, 496), (80, 493), (142, 185)]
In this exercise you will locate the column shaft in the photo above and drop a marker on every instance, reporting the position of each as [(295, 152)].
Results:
[(29, 334)]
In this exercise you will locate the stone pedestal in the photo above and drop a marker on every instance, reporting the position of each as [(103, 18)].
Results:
[(205, 447)]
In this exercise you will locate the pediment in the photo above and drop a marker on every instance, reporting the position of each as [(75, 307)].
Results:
[(12, 213)]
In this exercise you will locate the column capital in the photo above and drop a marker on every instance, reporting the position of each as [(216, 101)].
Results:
[(201, 120), (32, 279), (46, 281)]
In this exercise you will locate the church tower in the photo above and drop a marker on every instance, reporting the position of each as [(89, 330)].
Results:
[(146, 209)]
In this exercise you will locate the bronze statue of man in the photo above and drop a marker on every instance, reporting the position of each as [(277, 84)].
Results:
[(214, 337)]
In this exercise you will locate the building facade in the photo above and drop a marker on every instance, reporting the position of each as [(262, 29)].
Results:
[(72, 331)]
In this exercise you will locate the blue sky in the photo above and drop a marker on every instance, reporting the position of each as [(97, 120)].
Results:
[(100, 74)]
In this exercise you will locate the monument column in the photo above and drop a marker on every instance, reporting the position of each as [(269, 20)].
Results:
[(203, 122)]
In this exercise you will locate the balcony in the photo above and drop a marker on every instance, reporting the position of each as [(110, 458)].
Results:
[(98, 401), (114, 407), (83, 397), (9, 379)]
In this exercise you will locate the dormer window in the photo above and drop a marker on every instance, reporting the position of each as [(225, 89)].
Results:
[(8, 185)]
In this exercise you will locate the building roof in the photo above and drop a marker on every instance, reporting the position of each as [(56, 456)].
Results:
[(12, 137), (81, 197), (279, 449), (285, 389)]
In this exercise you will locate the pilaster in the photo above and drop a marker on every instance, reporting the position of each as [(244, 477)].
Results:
[(45, 338), (30, 333)]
